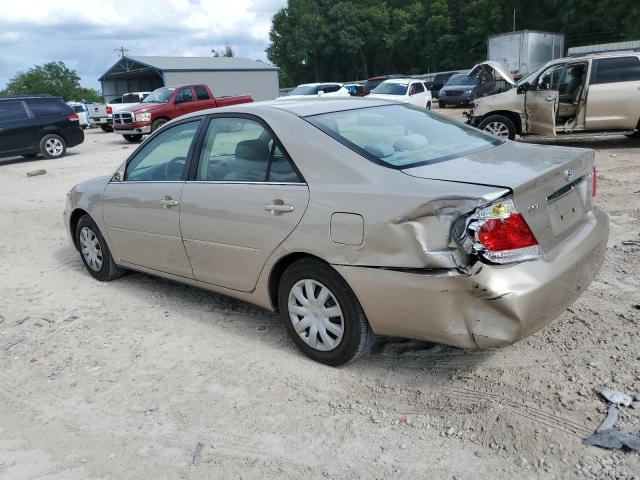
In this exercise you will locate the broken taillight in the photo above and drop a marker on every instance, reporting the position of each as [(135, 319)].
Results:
[(500, 234), (109, 110)]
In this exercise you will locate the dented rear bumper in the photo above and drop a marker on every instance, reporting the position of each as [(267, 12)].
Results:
[(488, 306)]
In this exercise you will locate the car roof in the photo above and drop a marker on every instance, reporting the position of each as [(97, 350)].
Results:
[(27, 97), (402, 81), (318, 84)]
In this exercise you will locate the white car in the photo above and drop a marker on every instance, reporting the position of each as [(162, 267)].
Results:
[(327, 89), (129, 100), (82, 112), (404, 90)]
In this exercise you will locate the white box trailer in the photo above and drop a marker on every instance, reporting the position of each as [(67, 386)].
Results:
[(524, 51)]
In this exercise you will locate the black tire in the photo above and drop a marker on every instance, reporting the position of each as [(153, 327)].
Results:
[(106, 128), (133, 138), (428, 105), (357, 338), (494, 120), (441, 104), (108, 270), (53, 146), (158, 123), (635, 134), (29, 155)]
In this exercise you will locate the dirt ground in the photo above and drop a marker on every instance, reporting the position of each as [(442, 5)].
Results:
[(143, 378)]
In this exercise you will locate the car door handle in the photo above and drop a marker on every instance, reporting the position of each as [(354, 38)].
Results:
[(168, 202), (278, 208)]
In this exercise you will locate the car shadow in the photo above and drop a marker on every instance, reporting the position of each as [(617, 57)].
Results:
[(19, 159)]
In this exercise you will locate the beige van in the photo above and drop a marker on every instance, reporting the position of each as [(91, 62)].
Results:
[(589, 93)]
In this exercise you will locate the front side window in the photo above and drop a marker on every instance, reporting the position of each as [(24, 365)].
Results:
[(613, 70), (329, 88), (184, 95), (10, 111), (402, 136), (550, 78), (242, 150), (163, 157)]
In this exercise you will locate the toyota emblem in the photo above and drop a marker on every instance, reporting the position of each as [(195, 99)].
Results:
[(568, 174)]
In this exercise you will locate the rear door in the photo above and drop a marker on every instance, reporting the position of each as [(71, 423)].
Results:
[(613, 100), (142, 212), (18, 129), (242, 201)]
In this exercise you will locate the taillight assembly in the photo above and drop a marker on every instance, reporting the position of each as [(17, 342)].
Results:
[(500, 234), (73, 117), (109, 110)]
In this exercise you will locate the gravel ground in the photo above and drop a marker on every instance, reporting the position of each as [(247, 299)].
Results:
[(144, 378)]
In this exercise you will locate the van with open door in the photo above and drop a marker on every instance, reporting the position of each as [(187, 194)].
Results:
[(596, 93)]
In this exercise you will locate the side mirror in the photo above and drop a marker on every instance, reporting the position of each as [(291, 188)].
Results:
[(320, 93), (118, 176), (524, 88)]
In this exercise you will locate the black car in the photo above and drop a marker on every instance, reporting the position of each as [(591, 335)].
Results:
[(438, 82), (35, 124), (461, 89)]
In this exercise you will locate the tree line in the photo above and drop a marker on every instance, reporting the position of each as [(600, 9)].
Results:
[(321, 40)]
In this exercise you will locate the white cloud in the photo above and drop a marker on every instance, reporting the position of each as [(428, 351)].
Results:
[(85, 34)]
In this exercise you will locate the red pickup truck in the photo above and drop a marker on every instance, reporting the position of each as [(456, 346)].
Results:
[(165, 104)]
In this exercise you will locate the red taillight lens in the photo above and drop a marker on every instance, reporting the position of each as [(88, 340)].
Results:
[(73, 117), (594, 192), (109, 110), (500, 234)]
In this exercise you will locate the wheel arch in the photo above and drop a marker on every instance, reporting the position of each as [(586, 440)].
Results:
[(513, 116), (74, 218)]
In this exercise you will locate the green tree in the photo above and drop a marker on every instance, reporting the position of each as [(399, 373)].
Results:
[(53, 78)]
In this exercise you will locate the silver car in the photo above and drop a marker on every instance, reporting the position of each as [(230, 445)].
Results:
[(352, 217)]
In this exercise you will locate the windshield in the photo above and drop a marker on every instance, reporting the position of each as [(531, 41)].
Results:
[(131, 98), (304, 90), (402, 136), (391, 88), (462, 79), (161, 95)]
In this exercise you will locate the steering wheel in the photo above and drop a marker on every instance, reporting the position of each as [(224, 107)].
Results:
[(173, 168)]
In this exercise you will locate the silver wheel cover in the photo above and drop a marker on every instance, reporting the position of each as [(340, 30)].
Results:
[(316, 315), (498, 129), (54, 146), (91, 249)]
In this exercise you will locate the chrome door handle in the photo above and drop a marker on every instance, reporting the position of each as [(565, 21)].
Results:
[(550, 99), (168, 202), (278, 208)]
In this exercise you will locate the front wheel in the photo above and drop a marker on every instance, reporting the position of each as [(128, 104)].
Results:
[(94, 251), (322, 314), (106, 128), (499, 125), (441, 104), (132, 138), (53, 146), (157, 124)]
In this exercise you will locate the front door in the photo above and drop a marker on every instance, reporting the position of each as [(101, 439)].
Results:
[(142, 212), (540, 108), (18, 130), (244, 199), (614, 94), (184, 102)]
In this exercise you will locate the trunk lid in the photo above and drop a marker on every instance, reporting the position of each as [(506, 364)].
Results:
[(552, 186)]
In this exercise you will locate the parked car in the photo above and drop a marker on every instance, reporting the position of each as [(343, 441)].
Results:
[(102, 114), (461, 89), (403, 90), (34, 124), (373, 82), (355, 89), (352, 219), (128, 100), (590, 93), (438, 82), (328, 89), (165, 104), (83, 113)]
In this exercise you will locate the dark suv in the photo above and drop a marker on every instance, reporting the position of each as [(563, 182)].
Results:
[(33, 124)]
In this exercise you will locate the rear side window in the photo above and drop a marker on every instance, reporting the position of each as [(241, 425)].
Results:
[(613, 70), (48, 106), (329, 88), (201, 93), (12, 111)]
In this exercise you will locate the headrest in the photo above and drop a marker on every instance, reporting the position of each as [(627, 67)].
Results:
[(252, 150)]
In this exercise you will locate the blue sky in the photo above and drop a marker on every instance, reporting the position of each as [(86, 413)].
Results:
[(84, 34)]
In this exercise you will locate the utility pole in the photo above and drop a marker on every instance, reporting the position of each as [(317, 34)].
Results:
[(122, 51), (514, 19)]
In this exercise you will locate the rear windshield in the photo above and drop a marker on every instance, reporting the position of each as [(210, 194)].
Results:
[(402, 136), (131, 98), (391, 88), (462, 79)]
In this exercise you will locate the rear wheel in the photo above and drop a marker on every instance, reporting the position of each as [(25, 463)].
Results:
[(53, 146), (499, 125), (94, 251), (322, 314), (635, 134), (157, 124), (132, 138), (106, 128)]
